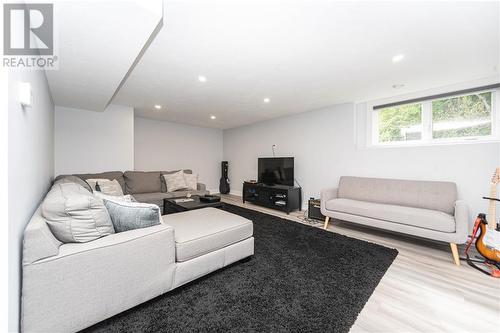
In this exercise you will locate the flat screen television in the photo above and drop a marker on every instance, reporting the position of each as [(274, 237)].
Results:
[(276, 171)]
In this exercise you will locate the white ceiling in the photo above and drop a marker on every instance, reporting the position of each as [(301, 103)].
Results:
[(303, 55), (97, 43)]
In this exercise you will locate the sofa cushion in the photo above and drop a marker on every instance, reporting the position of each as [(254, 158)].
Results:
[(74, 215), (142, 181), (418, 217), (116, 198), (201, 231), (118, 175), (152, 198), (412, 193)]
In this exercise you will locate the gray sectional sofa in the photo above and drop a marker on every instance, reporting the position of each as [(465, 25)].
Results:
[(144, 186), (427, 209), (67, 287)]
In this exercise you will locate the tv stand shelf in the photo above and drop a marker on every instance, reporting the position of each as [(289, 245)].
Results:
[(280, 197)]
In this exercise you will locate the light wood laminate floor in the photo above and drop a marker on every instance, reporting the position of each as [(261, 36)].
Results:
[(422, 291)]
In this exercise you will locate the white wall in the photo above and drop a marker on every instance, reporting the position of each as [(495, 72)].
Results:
[(162, 145), (324, 145), (88, 141), (31, 168)]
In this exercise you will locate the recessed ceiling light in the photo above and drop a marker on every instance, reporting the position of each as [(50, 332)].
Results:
[(398, 58), (266, 100), (157, 106), (212, 117), (398, 85), (202, 78)]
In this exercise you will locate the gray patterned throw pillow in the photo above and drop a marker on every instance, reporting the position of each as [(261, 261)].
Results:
[(132, 215)]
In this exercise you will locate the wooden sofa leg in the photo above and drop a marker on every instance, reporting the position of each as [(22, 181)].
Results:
[(454, 251), (327, 219)]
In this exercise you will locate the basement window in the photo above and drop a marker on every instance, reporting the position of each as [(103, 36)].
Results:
[(466, 116), (400, 123)]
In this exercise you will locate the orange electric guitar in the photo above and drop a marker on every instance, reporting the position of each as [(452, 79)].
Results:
[(488, 240)]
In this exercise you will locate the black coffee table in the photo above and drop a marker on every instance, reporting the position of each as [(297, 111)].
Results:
[(170, 206)]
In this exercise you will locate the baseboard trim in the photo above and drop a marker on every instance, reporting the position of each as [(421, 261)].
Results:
[(236, 192)]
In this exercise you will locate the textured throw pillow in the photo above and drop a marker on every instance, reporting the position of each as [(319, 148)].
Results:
[(132, 215), (175, 181), (106, 186), (74, 215), (111, 188), (191, 181), (92, 182)]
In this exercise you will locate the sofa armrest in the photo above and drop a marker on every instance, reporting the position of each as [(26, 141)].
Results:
[(461, 221), (122, 239), (327, 194), (38, 240), (99, 278), (201, 187)]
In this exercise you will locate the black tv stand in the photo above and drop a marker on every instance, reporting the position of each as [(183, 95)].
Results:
[(280, 197)]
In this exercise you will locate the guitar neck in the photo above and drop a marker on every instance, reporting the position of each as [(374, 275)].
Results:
[(492, 219)]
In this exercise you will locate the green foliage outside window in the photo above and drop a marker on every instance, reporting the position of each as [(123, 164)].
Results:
[(454, 117), (392, 120), (473, 112)]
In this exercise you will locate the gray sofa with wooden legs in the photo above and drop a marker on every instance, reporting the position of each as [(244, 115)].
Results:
[(428, 209)]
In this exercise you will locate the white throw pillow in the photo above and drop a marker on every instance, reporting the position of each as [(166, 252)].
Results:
[(93, 181), (175, 181), (111, 188), (75, 215), (191, 181), (106, 186)]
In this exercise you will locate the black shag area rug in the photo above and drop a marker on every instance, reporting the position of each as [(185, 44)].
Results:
[(300, 279)]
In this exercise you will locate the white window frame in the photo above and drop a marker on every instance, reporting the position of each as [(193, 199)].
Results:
[(427, 139)]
